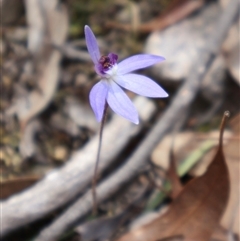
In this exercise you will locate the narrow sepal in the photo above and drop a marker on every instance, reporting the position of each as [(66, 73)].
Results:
[(92, 45), (97, 98), (141, 85), (120, 103)]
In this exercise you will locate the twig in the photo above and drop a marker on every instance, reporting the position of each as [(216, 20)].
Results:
[(69, 51), (173, 15), (138, 160)]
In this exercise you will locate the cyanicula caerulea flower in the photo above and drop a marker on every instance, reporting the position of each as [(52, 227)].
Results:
[(113, 75)]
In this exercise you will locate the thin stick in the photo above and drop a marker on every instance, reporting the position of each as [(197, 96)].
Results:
[(94, 180), (222, 126)]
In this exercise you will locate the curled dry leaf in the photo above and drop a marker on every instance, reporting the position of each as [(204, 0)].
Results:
[(196, 212), (27, 146), (47, 58)]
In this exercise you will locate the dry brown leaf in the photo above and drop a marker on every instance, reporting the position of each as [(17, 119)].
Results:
[(12, 186), (196, 212), (232, 154), (221, 234)]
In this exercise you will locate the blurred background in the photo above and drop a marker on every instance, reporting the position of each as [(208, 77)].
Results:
[(49, 132)]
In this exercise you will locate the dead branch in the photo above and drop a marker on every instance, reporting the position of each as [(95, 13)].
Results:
[(61, 185), (70, 52), (173, 15), (138, 160)]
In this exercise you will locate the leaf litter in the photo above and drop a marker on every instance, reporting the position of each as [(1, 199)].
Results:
[(197, 210), (51, 138)]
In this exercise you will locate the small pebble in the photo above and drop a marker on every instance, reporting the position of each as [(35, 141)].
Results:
[(60, 153)]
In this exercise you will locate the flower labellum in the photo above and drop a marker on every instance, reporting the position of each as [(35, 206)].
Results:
[(116, 75)]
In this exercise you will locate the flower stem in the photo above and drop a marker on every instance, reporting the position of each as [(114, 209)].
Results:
[(94, 180)]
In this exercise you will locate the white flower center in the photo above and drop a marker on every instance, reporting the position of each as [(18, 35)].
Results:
[(111, 73)]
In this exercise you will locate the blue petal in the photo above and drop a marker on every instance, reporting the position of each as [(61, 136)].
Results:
[(121, 104), (139, 61), (92, 45), (141, 85), (97, 99)]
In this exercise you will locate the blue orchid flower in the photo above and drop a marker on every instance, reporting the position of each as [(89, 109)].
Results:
[(116, 75)]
